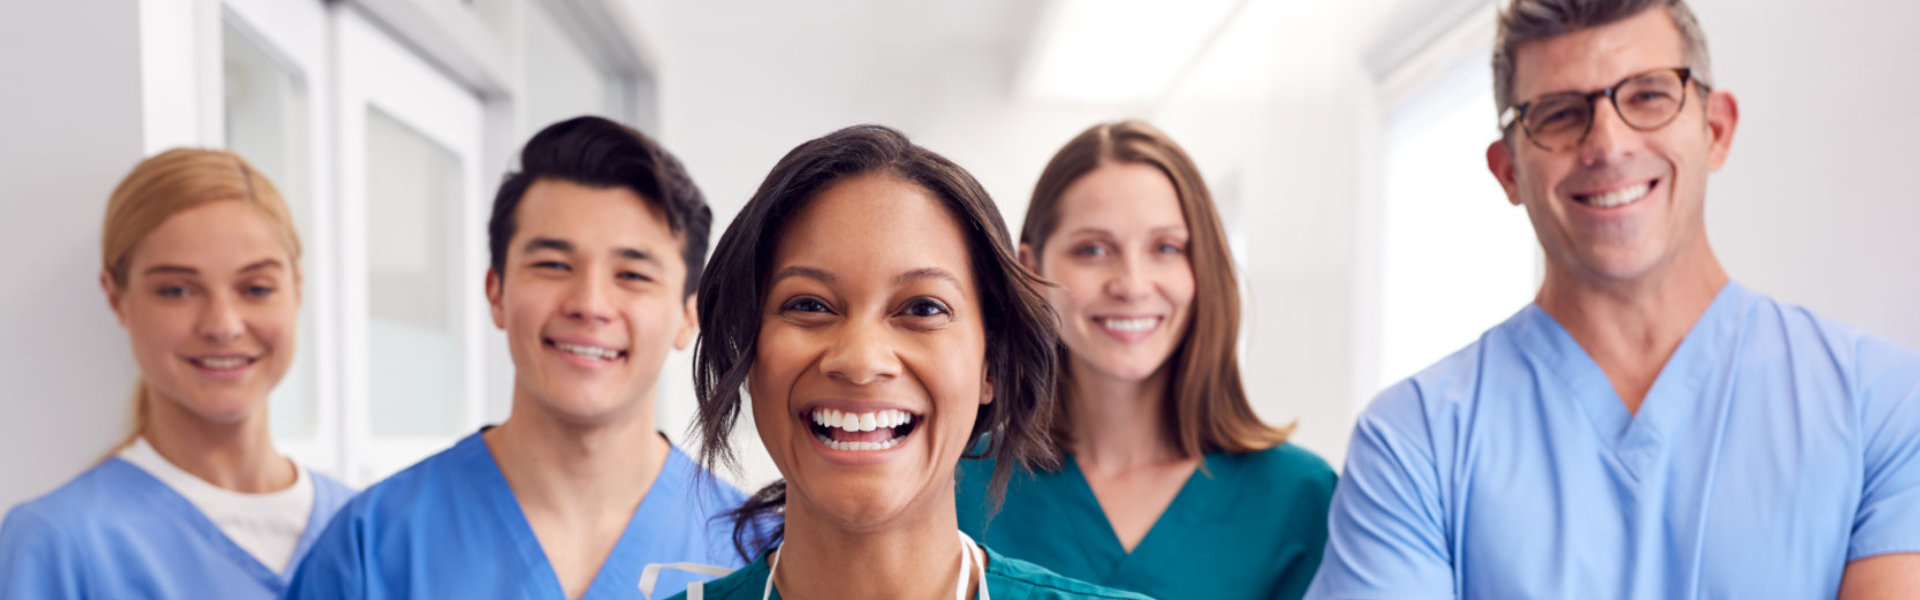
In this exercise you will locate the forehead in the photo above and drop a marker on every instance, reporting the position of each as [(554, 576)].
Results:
[(1121, 196), (874, 225), (212, 238), (1598, 57), (591, 217)]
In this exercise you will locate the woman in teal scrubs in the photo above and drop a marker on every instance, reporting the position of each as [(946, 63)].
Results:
[(869, 301), (1170, 479)]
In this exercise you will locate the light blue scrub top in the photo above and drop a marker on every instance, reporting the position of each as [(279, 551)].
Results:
[(117, 532), (449, 527), (1774, 447)]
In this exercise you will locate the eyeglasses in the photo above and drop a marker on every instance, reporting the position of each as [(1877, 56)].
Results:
[(1645, 102)]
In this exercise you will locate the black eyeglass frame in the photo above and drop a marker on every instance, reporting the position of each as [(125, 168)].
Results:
[(1518, 112)]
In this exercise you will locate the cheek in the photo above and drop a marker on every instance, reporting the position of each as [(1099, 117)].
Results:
[(159, 330)]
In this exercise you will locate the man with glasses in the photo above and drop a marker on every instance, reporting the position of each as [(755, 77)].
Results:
[(1647, 428)]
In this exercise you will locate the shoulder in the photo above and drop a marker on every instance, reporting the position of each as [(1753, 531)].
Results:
[(1285, 468), (715, 494), (1867, 363), (1017, 578), (434, 483)]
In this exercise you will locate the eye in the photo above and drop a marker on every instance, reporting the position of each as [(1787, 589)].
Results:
[(1170, 248), (171, 291), (633, 276), (1089, 251), (806, 304), (259, 291), (924, 307), (552, 265)]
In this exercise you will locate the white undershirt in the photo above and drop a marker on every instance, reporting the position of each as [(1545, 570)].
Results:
[(268, 526)]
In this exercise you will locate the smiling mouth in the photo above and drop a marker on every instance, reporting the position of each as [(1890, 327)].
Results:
[(223, 363), (862, 431), (1129, 324), (1618, 196), (587, 352)]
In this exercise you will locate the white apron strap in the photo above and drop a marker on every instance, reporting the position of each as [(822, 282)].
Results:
[(650, 576)]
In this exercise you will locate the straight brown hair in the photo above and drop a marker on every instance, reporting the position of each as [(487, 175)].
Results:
[(1207, 409)]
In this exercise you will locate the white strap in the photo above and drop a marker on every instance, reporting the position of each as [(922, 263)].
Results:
[(970, 554), (695, 591), (650, 576)]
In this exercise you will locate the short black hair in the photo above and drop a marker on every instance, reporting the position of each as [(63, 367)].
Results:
[(596, 152)]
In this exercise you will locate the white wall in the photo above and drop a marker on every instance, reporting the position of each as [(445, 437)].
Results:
[(1816, 204), (71, 114)]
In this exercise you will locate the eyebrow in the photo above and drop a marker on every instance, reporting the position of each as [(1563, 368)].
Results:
[(184, 270), (799, 271), (924, 274), (560, 245)]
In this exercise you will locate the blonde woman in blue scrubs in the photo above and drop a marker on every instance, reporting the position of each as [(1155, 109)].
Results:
[(200, 264), (1170, 478)]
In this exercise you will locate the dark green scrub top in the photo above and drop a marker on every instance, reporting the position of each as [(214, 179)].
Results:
[(1007, 579), (1250, 525)]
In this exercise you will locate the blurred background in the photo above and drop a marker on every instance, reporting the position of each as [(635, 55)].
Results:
[(1343, 141)]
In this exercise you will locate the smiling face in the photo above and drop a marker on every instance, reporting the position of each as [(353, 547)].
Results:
[(870, 365), (591, 301), (211, 305), (1624, 203), (1119, 255)]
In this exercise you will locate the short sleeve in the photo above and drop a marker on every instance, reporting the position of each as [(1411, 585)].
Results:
[(1888, 520), (39, 561), (1386, 528)]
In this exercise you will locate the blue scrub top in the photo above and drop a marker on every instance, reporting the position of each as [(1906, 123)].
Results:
[(1007, 579), (1774, 447), (117, 532), (449, 527), (1251, 525)]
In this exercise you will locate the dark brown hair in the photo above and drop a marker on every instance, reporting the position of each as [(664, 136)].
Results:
[(1208, 411), (595, 152), (1020, 325)]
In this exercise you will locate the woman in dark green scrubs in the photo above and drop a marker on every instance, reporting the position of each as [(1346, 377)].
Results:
[(1171, 485), (869, 302)]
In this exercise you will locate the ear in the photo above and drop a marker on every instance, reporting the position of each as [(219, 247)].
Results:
[(1028, 259), (1500, 162), (689, 325), (114, 297), (494, 296), (986, 389), (1723, 114)]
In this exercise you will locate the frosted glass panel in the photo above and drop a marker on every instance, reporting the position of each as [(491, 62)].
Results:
[(413, 331), (267, 122)]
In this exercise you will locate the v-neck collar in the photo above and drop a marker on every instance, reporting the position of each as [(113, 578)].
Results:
[(153, 489), (1169, 531), (1637, 439), (543, 580)]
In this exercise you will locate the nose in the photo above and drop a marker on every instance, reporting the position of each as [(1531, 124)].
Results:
[(1609, 137), (587, 300), (1128, 280), (220, 320), (861, 353)]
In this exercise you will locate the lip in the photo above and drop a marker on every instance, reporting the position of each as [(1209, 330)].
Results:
[(552, 344), (802, 419), (1128, 336), (237, 371)]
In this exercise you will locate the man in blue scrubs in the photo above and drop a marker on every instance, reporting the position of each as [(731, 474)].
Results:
[(1647, 428), (596, 247)]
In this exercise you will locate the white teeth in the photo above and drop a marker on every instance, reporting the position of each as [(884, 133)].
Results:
[(593, 352), (860, 446), (1620, 196), (221, 363), (857, 422), (1130, 325)]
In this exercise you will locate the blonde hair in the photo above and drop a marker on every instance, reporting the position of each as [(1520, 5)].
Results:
[(168, 184)]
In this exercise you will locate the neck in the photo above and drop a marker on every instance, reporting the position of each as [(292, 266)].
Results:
[(578, 470), (918, 558), (1630, 328), (237, 456), (1110, 418)]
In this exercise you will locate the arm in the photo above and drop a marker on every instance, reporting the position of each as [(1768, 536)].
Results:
[(1387, 528), (36, 559), (1883, 577), (1884, 554), (334, 567)]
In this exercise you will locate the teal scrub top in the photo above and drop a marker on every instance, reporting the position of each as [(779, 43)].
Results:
[(1250, 525), (1007, 579)]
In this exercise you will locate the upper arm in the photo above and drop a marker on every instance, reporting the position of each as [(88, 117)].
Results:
[(333, 567), (1387, 526), (1883, 577), (1888, 518), (37, 559)]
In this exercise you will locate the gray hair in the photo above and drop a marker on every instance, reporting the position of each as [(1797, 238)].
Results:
[(1532, 20)]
